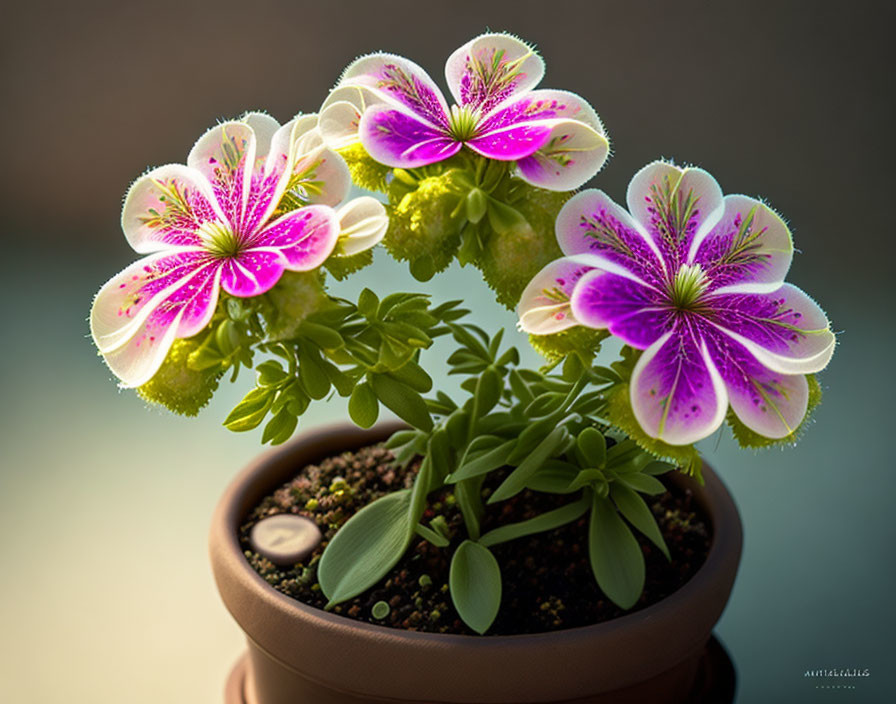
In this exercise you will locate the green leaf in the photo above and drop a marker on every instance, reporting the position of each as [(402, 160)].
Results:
[(554, 477), (439, 451), (403, 401), (488, 391), (545, 522), (363, 406), (530, 438), (312, 373), (638, 513), (476, 204), (643, 483), (545, 404), (616, 557), (476, 463), (475, 581), (469, 499), (368, 304), (420, 490), (249, 412), (593, 446), (516, 481), (321, 335), (656, 468), (364, 550), (270, 373), (280, 428), (412, 374), (440, 541)]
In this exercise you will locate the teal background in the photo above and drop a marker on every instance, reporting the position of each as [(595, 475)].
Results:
[(106, 594)]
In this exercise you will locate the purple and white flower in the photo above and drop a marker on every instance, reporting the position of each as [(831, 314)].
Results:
[(402, 118), (219, 223), (696, 280)]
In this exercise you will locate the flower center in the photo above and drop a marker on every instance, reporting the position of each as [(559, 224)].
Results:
[(462, 122), (219, 239), (688, 286)]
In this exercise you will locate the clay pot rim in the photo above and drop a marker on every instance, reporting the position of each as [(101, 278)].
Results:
[(723, 545)]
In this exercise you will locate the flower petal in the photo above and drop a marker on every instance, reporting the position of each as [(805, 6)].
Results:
[(397, 138), (253, 272), (675, 207), (767, 402), (264, 127), (362, 224), (137, 315), (305, 237), (590, 222), (396, 82), (225, 155), (748, 251), (785, 331), (572, 154), (166, 207), (490, 69), (319, 176), (677, 394), (627, 308), (512, 142), (340, 115), (544, 304)]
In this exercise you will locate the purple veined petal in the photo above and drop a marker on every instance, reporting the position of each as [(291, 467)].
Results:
[(166, 207), (769, 403), (398, 139), (748, 251), (225, 155), (124, 302), (397, 82), (264, 127), (785, 331), (135, 321), (590, 222), (490, 69), (631, 311), (677, 393), (252, 272), (362, 224), (513, 142), (305, 237), (540, 105), (675, 207), (572, 155), (544, 306)]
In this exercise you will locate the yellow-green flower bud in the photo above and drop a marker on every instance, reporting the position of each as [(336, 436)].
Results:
[(178, 387), (296, 296)]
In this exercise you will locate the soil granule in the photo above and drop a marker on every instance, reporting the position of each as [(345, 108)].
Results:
[(547, 580)]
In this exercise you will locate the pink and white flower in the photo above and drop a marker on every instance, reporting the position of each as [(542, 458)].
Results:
[(402, 118), (696, 280), (255, 199)]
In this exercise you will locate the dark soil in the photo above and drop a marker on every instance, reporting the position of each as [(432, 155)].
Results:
[(547, 580)]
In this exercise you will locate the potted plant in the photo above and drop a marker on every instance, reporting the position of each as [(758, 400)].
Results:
[(239, 246)]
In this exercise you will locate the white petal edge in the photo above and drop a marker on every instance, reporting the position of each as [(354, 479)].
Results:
[(539, 315), (265, 127), (589, 147), (363, 223)]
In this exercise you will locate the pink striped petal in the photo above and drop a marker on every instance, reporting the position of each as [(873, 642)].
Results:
[(572, 155), (675, 207), (768, 402), (544, 306), (590, 222), (396, 82), (397, 138), (305, 237), (748, 251), (490, 69), (786, 331), (252, 272), (225, 155), (166, 207), (137, 315), (627, 308), (677, 393)]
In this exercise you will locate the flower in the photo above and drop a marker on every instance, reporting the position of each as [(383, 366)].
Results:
[(403, 120), (696, 280), (253, 201)]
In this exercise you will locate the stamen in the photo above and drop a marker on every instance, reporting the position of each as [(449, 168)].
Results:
[(462, 122), (689, 284), (219, 239)]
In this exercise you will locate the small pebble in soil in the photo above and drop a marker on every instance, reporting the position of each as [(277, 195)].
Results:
[(547, 580)]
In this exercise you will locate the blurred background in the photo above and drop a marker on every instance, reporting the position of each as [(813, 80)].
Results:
[(106, 594)]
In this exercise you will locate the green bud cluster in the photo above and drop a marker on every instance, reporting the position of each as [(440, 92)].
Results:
[(177, 386)]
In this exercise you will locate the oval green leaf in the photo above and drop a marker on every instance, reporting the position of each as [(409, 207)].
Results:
[(475, 582)]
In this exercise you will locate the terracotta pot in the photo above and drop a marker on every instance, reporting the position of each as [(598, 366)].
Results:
[(302, 655)]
